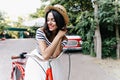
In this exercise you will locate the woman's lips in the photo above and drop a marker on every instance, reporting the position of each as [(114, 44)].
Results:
[(50, 27)]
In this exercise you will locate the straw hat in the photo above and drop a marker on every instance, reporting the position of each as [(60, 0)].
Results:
[(60, 9)]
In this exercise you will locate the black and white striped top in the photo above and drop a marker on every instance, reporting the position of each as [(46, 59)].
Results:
[(40, 35)]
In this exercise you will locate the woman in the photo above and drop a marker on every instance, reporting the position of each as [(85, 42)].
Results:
[(50, 42)]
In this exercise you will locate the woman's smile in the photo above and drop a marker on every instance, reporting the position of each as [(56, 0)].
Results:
[(51, 27)]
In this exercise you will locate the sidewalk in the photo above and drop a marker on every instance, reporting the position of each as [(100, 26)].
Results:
[(83, 67)]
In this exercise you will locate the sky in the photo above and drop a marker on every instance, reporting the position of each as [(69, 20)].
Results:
[(15, 8)]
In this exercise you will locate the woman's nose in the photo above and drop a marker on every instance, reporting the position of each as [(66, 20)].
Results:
[(49, 22)]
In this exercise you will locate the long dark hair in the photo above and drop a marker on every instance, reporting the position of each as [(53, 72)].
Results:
[(60, 22)]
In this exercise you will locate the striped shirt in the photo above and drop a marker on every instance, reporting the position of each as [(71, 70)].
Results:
[(40, 35)]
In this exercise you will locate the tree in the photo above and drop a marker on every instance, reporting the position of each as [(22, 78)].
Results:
[(97, 37), (117, 29), (1, 22), (109, 14), (74, 8)]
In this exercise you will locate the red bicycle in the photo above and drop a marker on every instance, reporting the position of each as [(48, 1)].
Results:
[(18, 65)]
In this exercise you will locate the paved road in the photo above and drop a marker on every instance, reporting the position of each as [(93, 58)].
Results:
[(82, 66)]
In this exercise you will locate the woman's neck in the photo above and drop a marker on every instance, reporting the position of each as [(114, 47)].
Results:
[(53, 34)]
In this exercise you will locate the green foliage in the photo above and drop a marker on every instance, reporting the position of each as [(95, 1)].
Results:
[(107, 9), (108, 20), (75, 8), (86, 47), (85, 28), (107, 14), (109, 47), (2, 23), (1, 27)]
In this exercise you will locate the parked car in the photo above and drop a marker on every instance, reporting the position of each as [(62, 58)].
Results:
[(74, 41)]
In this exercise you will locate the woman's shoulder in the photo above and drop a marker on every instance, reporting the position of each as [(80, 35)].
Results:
[(40, 32), (40, 29)]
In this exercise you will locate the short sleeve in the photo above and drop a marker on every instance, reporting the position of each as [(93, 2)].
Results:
[(40, 35), (64, 42)]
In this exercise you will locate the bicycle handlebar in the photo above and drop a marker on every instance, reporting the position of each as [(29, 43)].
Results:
[(15, 57), (21, 56)]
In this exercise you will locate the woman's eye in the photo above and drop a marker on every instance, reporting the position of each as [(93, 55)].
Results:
[(53, 20)]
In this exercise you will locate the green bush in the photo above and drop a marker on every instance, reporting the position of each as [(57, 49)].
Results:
[(109, 48)]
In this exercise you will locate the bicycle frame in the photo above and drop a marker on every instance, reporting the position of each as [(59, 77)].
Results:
[(18, 66)]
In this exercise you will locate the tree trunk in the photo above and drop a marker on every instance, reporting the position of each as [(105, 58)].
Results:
[(97, 38), (118, 42), (117, 32)]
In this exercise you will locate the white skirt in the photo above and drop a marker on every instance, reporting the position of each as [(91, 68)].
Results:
[(36, 69)]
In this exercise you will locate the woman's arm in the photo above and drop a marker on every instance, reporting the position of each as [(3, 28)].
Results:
[(47, 51), (59, 48)]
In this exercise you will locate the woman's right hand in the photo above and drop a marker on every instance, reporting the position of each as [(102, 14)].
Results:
[(62, 33)]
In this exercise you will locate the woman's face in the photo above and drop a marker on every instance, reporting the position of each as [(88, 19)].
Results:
[(51, 22)]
